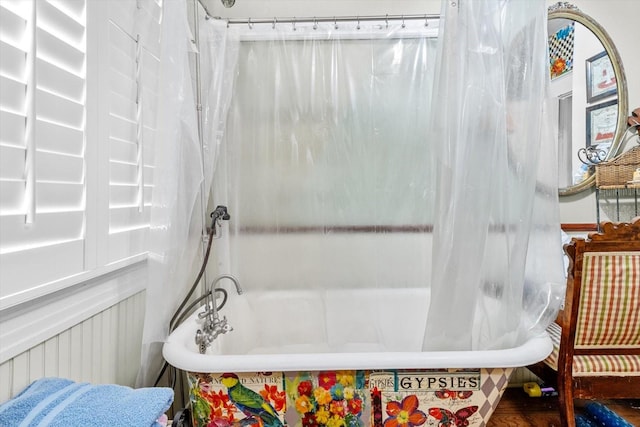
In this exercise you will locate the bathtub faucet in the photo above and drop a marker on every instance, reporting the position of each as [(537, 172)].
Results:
[(209, 332), (213, 325), (230, 277)]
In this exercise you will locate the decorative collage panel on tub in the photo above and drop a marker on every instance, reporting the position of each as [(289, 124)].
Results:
[(426, 398), (238, 400), (337, 399), (331, 399)]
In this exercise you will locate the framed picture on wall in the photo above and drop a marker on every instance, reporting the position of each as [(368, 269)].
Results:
[(561, 51), (601, 80), (601, 122)]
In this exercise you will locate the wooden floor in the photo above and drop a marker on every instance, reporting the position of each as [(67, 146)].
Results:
[(517, 409)]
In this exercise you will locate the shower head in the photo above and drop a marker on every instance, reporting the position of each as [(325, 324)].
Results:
[(228, 3), (220, 213)]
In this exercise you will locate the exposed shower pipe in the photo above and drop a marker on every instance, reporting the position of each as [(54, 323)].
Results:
[(204, 6), (196, 42)]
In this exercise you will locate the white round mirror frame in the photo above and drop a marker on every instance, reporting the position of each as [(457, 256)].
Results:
[(569, 11)]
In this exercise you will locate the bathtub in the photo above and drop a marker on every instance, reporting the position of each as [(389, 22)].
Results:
[(344, 382)]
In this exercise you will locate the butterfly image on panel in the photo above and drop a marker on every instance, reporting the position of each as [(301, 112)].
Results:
[(449, 394), (447, 418)]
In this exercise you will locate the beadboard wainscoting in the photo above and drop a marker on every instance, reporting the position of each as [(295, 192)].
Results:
[(104, 348), (521, 376)]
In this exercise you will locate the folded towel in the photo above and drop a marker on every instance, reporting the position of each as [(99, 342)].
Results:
[(62, 402)]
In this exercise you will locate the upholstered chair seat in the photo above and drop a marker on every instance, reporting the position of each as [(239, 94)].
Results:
[(596, 351)]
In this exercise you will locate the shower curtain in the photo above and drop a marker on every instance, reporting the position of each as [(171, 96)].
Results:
[(497, 222), (363, 160), (176, 221), (326, 169)]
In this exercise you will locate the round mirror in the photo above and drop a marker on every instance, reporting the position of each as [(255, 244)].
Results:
[(590, 92)]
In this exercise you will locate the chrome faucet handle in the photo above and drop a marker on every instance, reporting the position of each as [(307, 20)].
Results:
[(223, 326), (220, 327), (210, 331), (208, 313)]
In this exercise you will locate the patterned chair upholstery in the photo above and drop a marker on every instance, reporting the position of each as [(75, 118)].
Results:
[(596, 336)]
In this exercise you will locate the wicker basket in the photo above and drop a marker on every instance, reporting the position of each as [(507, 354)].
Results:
[(619, 171)]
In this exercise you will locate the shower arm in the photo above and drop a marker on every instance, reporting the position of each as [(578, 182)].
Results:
[(205, 8), (206, 238)]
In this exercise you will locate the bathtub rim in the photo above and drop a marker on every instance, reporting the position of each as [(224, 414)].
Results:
[(178, 355)]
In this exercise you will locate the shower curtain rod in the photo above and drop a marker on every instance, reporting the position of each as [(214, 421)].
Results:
[(334, 19)]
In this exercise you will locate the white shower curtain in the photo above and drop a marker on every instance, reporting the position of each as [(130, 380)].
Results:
[(176, 219), (326, 169), (184, 165), (497, 222), (354, 156)]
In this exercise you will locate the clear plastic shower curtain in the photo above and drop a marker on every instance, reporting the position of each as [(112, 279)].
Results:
[(325, 167), (359, 168), (497, 272), (176, 219), (364, 162), (184, 166)]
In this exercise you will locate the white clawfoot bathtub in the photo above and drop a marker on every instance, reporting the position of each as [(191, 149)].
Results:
[(289, 369)]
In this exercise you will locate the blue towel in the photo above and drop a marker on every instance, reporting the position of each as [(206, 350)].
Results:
[(62, 402)]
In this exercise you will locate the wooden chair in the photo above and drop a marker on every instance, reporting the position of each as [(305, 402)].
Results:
[(596, 336)]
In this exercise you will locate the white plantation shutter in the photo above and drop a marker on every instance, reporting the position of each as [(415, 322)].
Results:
[(133, 68), (75, 145), (42, 144)]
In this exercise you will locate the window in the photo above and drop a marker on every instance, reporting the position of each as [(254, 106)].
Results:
[(42, 139), (77, 107), (132, 69)]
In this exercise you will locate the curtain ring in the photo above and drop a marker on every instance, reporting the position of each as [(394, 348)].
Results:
[(426, 21), (250, 24), (294, 23), (335, 22), (227, 23), (403, 22), (315, 23), (358, 26), (275, 21), (386, 20)]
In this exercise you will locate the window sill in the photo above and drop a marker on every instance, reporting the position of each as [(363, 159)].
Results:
[(27, 323), (17, 299)]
